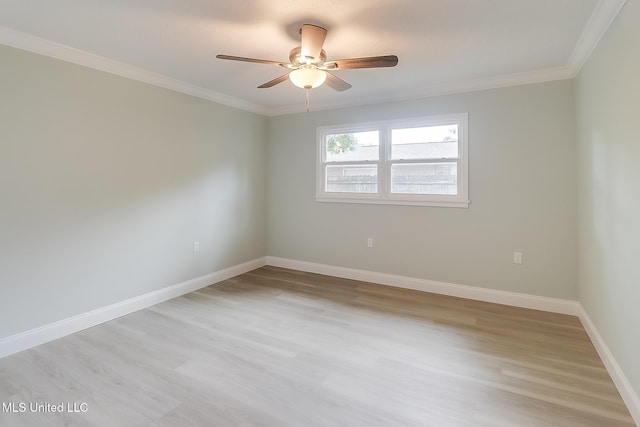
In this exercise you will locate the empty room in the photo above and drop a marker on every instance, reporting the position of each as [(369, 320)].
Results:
[(319, 213)]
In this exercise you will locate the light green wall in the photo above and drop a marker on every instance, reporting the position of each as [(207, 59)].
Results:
[(522, 189), (608, 110), (105, 183)]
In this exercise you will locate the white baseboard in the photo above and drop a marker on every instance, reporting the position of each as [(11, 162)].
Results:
[(52, 331), (623, 385), (488, 295), (554, 305)]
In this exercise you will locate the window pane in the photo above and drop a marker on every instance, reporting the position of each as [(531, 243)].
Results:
[(430, 142), (424, 178), (352, 179), (352, 147)]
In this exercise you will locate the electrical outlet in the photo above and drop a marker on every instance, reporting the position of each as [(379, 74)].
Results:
[(196, 247), (517, 257), (370, 242)]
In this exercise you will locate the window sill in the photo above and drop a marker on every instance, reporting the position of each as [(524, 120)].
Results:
[(400, 202)]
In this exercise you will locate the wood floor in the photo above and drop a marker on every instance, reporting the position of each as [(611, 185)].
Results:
[(276, 347)]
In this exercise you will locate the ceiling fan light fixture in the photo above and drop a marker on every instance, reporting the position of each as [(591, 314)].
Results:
[(308, 65), (307, 77)]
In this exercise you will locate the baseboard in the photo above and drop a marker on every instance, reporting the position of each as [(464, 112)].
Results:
[(623, 385), (488, 295), (50, 332), (553, 305)]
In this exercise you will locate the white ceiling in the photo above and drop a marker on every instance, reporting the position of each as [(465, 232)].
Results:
[(443, 46)]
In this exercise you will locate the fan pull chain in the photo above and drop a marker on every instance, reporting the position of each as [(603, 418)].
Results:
[(307, 96)]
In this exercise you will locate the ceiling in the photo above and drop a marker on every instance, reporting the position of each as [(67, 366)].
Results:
[(444, 46)]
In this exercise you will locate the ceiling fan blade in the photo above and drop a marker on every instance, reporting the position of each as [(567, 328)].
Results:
[(312, 39), (368, 62), (243, 59), (336, 83), (274, 81)]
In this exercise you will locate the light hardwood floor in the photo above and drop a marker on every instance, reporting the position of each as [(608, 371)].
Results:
[(276, 347)]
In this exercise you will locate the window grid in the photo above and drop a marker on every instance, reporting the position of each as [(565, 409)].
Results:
[(385, 164)]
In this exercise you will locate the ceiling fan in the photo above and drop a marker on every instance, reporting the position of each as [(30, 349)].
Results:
[(309, 66)]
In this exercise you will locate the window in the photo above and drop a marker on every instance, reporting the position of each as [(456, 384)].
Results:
[(405, 162)]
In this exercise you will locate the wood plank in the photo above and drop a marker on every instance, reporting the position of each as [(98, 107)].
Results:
[(279, 347)]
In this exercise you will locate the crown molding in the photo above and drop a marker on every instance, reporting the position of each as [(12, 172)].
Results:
[(31, 43), (603, 16), (474, 85)]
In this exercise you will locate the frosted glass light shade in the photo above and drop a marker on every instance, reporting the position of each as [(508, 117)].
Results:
[(307, 77)]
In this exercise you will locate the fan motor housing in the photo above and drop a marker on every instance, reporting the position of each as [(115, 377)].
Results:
[(295, 58)]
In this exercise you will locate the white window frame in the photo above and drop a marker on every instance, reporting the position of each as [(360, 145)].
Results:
[(384, 162)]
